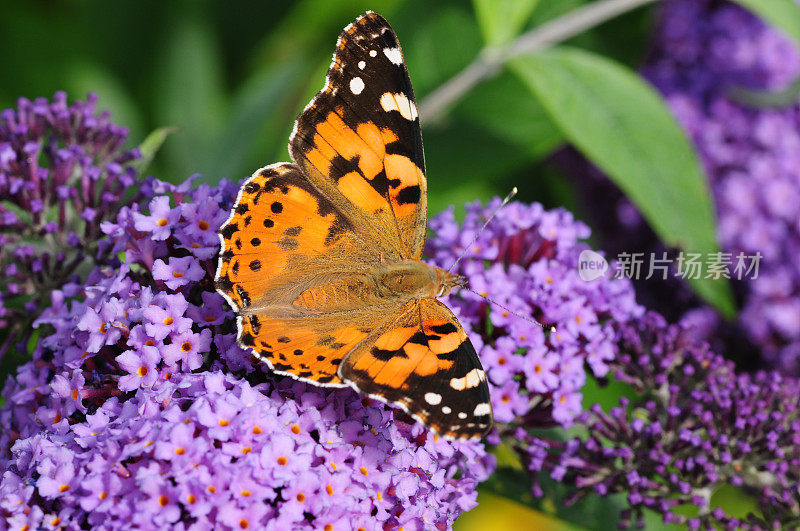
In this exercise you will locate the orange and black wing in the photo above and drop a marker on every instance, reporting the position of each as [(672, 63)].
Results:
[(281, 237), (360, 143), (422, 361)]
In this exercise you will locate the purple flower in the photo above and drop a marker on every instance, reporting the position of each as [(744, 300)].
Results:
[(141, 367), (179, 272), (161, 220), (527, 261), (675, 443), (702, 49), (63, 173), (140, 402)]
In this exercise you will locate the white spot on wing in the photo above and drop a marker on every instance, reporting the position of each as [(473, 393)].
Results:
[(361, 65), (399, 102), (462, 415), (482, 409), (394, 55), (433, 398), (446, 410), (373, 53), (356, 85)]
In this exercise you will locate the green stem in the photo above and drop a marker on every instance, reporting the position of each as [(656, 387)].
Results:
[(491, 60)]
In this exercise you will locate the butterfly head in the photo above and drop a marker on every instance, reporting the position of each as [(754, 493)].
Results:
[(446, 281)]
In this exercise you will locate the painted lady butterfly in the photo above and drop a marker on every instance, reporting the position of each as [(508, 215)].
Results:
[(321, 258)]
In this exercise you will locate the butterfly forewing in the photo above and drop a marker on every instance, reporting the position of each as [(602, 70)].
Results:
[(360, 138)]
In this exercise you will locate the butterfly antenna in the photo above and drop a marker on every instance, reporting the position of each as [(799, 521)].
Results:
[(512, 312), (510, 195)]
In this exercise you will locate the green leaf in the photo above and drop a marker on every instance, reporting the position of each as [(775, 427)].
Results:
[(622, 125), (151, 145), (784, 14), (502, 20)]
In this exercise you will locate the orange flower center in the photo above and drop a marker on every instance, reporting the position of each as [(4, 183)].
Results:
[(177, 274), (168, 321), (186, 346), (364, 470), (191, 498), (301, 497), (179, 450), (163, 500), (162, 222), (244, 524), (257, 430), (142, 371), (203, 225), (295, 429), (63, 488), (282, 461), (223, 422)]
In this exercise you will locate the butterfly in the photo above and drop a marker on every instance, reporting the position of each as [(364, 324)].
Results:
[(321, 258)]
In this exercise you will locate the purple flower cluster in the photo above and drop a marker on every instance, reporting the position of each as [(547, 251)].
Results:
[(702, 50), (752, 156), (62, 172), (140, 411), (527, 261), (694, 427)]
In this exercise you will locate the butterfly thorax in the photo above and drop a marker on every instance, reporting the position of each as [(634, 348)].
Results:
[(387, 283)]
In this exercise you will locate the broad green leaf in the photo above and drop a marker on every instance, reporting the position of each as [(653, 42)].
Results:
[(784, 14), (621, 124), (151, 145), (502, 20)]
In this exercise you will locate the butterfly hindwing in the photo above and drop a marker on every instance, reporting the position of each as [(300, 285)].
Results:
[(360, 142), (424, 362)]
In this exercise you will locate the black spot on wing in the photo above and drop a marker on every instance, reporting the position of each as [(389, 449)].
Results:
[(386, 355), (444, 329), (409, 194), (229, 231)]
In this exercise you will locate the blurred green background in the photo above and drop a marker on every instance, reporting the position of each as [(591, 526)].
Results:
[(233, 76)]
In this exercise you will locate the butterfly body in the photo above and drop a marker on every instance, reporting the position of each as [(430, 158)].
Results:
[(382, 285), (321, 258)]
